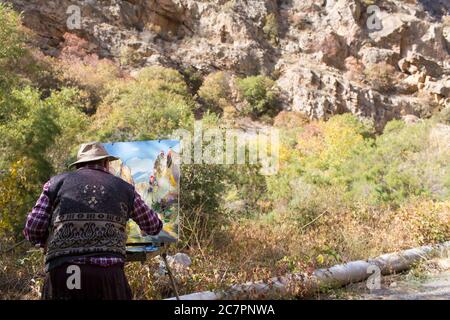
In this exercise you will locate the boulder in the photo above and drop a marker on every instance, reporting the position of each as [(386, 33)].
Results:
[(334, 50), (426, 39), (373, 55), (446, 34), (415, 62), (441, 88), (411, 119), (178, 263), (391, 32)]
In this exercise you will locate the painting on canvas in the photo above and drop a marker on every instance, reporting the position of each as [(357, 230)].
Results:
[(153, 168)]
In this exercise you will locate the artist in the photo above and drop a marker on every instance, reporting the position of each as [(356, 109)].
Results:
[(80, 221)]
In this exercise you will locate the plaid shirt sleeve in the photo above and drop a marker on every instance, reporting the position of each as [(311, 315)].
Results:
[(145, 217), (36, 226)]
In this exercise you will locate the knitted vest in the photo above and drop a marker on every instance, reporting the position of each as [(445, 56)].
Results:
[(90, 211)]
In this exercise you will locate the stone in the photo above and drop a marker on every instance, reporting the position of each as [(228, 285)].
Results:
[(373, 55), (441, 88), (410, 84), (410, 119), (182, 259), (343, 18), (334, 50), (392, 27), (416, 62), (446, 34), (178, 263)]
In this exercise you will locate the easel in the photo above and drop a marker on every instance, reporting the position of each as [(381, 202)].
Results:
[(140, 252)]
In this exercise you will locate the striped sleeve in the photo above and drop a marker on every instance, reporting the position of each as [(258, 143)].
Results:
[(38, 220), (145, 217)]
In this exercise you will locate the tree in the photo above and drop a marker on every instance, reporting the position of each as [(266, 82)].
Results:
[(151, 107)]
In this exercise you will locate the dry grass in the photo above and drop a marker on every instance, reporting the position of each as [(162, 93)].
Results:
[(255, 250), (21, 274), (270, 246)]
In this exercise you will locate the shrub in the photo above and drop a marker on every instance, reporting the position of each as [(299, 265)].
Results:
[(260, 94), (79, 68), (342, 157), (38, 136), (18, 189), (443, 116), (407, 163), (151, 107), (201, 201), (28, 130), (129, 57), (291, 124), (327, 148), (164, 79), (11, 36), (205, 194), (193, 78), (20, 64), (216, 92), (12, 46), (72, 123)]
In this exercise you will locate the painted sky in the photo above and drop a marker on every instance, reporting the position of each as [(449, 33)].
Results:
[(140, 156)]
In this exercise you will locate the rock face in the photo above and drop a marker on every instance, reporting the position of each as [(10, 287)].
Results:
[(321, 93), (306, 45)]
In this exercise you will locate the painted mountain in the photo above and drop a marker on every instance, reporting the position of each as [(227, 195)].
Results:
[(153, 168)]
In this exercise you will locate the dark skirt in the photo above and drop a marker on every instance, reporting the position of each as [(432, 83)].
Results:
[(96, 283)]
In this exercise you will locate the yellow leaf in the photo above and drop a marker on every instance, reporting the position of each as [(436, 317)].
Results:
[(320, 259)]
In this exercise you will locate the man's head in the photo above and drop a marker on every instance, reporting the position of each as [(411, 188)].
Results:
[(92, 153), (102, 163)]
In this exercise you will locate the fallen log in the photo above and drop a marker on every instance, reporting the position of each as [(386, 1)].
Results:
[(333, 277)]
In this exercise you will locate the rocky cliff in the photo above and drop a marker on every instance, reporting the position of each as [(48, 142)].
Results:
[(327, 56)]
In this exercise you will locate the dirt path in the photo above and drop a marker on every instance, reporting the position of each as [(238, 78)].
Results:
[(434, 287), (430, 281)]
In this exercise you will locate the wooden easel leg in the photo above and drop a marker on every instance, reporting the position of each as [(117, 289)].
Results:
[(169, 271)]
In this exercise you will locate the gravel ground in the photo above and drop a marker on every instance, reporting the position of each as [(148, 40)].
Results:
[(429, 281)]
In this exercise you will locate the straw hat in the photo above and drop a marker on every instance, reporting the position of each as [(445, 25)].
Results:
[(92, 151)]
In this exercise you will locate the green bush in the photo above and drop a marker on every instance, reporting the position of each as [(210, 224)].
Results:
[(260, 94), (201, 201), (11, 49), (11, 37), (27, 134), (343, 158), (408, 162), (28, 130)]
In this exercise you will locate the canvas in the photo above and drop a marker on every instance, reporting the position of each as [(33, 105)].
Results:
[(153, 167)]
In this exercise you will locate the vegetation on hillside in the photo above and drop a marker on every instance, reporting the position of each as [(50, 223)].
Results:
[(343, 192)]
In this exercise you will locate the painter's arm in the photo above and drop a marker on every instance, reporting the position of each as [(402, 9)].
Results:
[(38, 220), (145, 217)]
